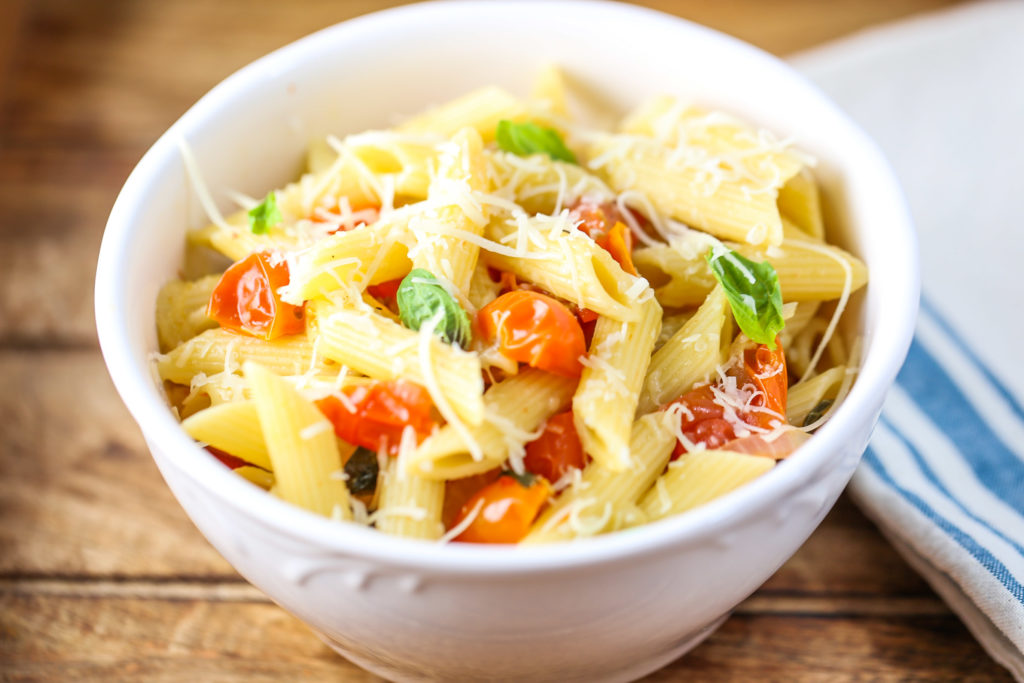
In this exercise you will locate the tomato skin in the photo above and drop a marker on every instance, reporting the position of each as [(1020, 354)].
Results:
[(703, 420), (458, 491), (322, 215), (535, 329), (232, 461), (507, 510), (246, 300), (557, 450), (605, 225), (385, 291), (382, 411), (766, 370)]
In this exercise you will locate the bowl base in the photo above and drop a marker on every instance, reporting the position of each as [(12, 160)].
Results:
[(630, 673)]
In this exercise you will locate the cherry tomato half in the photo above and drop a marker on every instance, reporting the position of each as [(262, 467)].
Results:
[(535, 329), (703, 419), (379, 413), (557, 450), (605, 225), (246, 300), (508, 507)]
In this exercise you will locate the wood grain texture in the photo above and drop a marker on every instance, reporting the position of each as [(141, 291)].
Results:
[(79, 493), (80, 638), (102, 577)]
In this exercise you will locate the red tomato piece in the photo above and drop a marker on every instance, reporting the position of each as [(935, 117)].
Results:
[(766, 370), (557, 450), (363, 215), (508, 507), (458, 491), (535, 329), (605, 225), (703, 419), (246, 300), (385, 291), (375, 415), (232, 461)]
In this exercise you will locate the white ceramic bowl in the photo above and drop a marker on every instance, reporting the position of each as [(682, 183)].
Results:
[(611, 608)]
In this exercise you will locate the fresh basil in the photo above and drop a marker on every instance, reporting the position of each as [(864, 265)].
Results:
[(422, 297), (817, 412), (753, 292), (361, 470), (264, 215), (524, 139)]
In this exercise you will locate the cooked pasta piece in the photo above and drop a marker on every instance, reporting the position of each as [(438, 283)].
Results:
[(216, 351), (181, 310), (609, 390), (807, 271), (301, 445), (690, 356), (805, 396), (514, 408), (480, 110), (378, 347), (355, 258), (800, 203), (410, 505), (572, 267), (700, 477), (233, 428), (447, 255), (740, 210), (602, 499)]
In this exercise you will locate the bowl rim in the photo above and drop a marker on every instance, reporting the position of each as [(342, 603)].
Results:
[(895, 324)]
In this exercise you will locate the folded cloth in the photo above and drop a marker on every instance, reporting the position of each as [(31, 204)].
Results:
[(944, 475)]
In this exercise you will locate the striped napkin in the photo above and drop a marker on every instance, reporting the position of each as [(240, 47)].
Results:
[(944, 475)]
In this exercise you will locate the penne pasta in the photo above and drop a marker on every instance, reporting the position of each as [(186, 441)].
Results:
[(602, 499), (698, 478), (300, 443)]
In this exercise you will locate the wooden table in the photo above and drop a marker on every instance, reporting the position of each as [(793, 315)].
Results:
[(102, 577)]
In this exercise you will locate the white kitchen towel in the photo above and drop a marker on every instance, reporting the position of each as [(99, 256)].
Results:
[(943, 478)]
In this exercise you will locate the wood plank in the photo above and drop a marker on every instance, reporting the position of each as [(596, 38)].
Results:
[(79, 493), (56, 204), (47, 637)]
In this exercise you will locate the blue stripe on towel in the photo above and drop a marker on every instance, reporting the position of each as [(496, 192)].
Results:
[(959, 342), (933, 479), (995, 465), (996, 568)]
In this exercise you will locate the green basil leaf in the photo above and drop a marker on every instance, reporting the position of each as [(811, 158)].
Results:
[(264, 215), (421, 297), (362, 469), (753, 292), (817, 412), (524, 139)]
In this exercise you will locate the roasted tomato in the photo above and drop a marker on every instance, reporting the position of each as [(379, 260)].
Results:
[(246, 299), (703, 418), (605, 225), (374, 415), (557, 450), (535, 329), (356, 217), (507, 508), (385, 292)]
